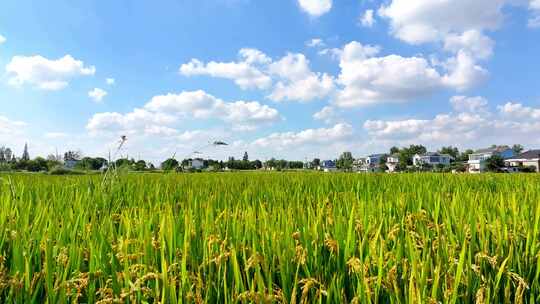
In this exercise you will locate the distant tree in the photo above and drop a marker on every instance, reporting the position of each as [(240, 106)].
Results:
[(494, 163), (345, 161), (25, 156), (2, 155), (8, 154), (37, 165), (464, 156), (452, 151), (382, 165), (271, 163), (517, 148), (72, 156), (296, 165), (406, 154), (169, 165), (246, 157), (89, 163), (139, 165), (316, 162), (257, 164), (394, 150)]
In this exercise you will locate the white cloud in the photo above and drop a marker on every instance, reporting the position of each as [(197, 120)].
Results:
[(306, 137), (8, 126), (294, 80), (298, 82), (420, 21), (534, 20), (367, 19), (44, 73), (471, 41), (97, 94), (472, 124), (519, 112), (315, 42), (368, 80), (464, 73), (327, 114), (2, 39), (245, 73), (110, 81), (161, 113), (469, 104), (315, 8)]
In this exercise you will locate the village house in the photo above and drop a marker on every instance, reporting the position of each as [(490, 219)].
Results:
[(527, 159), (328, 166), (392, 162), (477, 160), (196, 164), (432, 159)]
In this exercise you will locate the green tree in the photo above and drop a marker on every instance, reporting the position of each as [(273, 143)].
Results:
[(246, 157), (169, 165), (394, 150), (494, 163), (316, 162), (345, 161), (517, 148), (464, 156), (25, 156), (452, 151), (139, 165)]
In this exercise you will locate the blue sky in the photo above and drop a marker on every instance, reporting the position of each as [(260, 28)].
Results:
[(288, 78)]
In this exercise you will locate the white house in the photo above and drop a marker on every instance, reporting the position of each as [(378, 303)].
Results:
[(369, 164), (432, 159), (196, 164), (477, 160), (392, 162), (328, 166), (527, 159)]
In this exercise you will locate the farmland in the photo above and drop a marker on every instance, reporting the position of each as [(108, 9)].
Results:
[(270, 238)]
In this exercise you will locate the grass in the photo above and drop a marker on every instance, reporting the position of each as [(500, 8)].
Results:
[(270, 238)]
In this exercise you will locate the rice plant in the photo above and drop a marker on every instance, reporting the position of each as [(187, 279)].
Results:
[(270, 238)]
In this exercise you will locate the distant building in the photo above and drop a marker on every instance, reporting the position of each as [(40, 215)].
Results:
[(196, 164), (328, 166), (369, 164), (71, 163), (392, 162), (477, 160), (527, 159), (432, 159)]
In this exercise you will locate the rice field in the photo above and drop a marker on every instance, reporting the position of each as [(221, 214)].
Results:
[(270, 238)]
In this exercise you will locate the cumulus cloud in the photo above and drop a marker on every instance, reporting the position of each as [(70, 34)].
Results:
[(367, 19), (97, 94), (471, 123), (44, 73), (420, 21), (290, 78), (306, 137), (534, 21), (298, 82), (315, 8), (327, 114), (244, 73), (315, 42), (366, 79), (8, 126), (472, 41), (2, 39), (160, 114), (110, 81)]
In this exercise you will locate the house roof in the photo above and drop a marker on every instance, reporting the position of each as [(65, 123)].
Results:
[(531, 154), (435, 154), (377, 155), (492, 149)]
